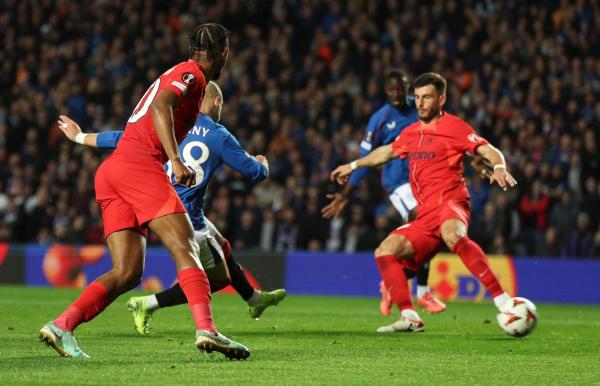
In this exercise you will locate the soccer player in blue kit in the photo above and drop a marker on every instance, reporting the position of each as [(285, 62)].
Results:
[(207, 146), (385, 125)]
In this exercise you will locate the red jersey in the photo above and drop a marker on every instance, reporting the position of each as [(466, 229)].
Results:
[(187, 81), (435, 155)]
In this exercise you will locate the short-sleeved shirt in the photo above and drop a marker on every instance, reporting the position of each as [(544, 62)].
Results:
[(384, 127), (140, 139), (207, 146), (435, 154)]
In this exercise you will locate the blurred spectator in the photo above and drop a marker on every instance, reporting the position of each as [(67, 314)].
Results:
[(286, 233), (533, 209), (302, 79), (312, 227), (581, 239), (549, 245), (247, 234), (267, 231), (563, 216), (485, 228)]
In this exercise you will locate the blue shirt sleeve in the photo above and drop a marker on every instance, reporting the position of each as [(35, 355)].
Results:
[(239, 160), (371, 141), (108, 139)]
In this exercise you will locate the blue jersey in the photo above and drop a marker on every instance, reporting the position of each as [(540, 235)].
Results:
[(384, 127), (206, 147)]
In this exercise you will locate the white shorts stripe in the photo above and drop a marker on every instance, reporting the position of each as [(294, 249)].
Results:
[(403, 200), (205, 237)]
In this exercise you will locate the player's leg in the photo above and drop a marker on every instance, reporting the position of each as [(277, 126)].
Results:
[(258, 301), (425, 297), (127, 251), (405, 203), (390, 258), (211, 258), (177, 235), (454, 234)]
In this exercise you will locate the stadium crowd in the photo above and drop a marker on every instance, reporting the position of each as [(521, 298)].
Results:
[(302, 80)]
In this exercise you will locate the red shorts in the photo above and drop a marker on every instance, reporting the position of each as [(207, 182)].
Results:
[(425, 232), (131, 192)]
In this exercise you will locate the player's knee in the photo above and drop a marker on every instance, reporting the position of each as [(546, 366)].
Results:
[(399, 246), (128, 277), (452, 237), (184, 249)]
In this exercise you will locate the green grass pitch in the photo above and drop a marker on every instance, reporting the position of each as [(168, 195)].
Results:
[(304, 340)]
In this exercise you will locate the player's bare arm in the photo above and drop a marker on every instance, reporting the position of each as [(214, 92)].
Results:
[(338, 202), (499, 174), (74, 133), (377, 157), (481, 165), (162, 117)]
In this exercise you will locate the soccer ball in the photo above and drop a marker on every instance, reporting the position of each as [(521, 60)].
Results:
[(517, 317)]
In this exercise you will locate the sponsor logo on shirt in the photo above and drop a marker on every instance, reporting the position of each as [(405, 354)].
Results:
[(421, 155)]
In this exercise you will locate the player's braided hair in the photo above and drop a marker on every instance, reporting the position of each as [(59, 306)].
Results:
[(209, 37)]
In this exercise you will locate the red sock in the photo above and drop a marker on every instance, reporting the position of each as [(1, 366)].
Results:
[(194, 283), (474, 259), (92, 301), (392, 272)]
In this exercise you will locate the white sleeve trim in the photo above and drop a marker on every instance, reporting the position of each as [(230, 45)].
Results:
[(180, 86)]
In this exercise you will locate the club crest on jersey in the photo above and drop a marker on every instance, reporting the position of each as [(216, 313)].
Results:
[(188, 78), (474, 138)]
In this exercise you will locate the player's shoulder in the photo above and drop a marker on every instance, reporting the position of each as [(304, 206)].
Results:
[(217, 129), (380, 112), (187, 65), (189, 71), (379, 117), (413, 126), (455, 120), (409, 130)]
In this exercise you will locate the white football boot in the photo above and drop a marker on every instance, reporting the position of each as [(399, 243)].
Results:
[(404, 325)]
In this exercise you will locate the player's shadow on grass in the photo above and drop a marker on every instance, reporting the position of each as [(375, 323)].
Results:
[(494, 338), (307, 333)]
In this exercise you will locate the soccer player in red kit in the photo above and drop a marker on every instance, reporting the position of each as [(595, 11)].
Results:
[(435, 146), (135, 194)]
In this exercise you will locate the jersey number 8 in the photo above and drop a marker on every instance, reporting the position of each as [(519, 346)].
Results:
[(194, 163)]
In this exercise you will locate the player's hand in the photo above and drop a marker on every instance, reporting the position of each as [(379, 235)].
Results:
[(481, 165), (335, 207), (341, 173), (504, 179), (263, 160), (69, 127), (183, 174)]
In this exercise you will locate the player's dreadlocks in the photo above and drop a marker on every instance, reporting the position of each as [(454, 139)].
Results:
[(209, 37)]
